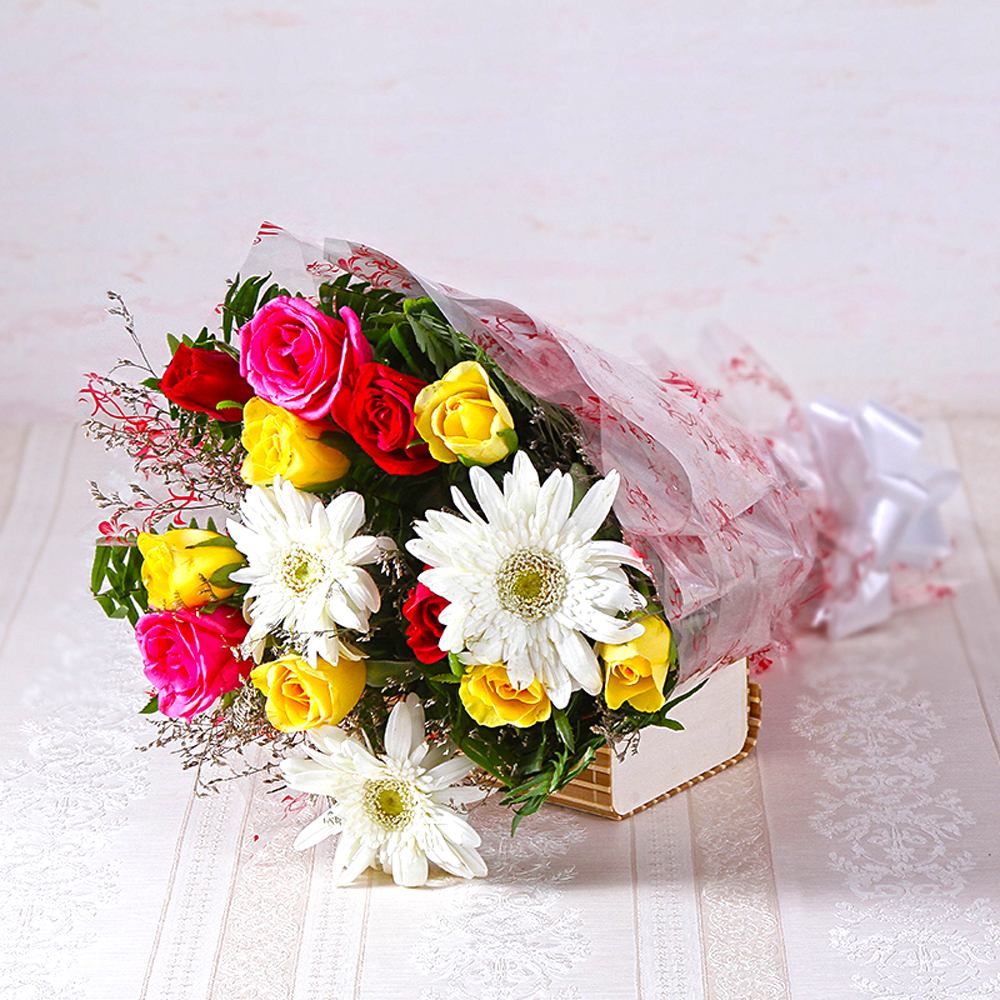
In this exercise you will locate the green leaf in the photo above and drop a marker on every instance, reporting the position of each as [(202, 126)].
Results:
[(173, 343), (529, 808), (582, 764), (229, 404), (336, 439), (220, 578), (396, 336), (457, 667), (106, 602), (684, 697), (125, 596), (327, 487), (439, 341), (563, 728), (509, 438), (102, 553), (532, 762), (222, 541), (482, 754), (153, 705), (669, 724), (381, 671)]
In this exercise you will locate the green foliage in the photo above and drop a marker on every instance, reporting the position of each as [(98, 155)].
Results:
[(118, 568), (243, 299)]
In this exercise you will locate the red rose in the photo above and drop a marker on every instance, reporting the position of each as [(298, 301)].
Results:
[(375, 406), (199, 380), (421, 610)]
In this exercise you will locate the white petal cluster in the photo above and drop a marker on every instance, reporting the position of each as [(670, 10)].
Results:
[(527, 585), (303, 566), (393, 812)]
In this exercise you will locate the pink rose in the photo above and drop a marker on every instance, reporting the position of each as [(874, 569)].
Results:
[(191, 659), (297, 357)]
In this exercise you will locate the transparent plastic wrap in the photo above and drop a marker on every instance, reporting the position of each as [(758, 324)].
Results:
[(752, 513)]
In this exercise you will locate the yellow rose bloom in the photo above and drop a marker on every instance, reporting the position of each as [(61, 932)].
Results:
[(636, 670), (461, 416), (491, 699), (177, 567), (278, 443), (300, 696)]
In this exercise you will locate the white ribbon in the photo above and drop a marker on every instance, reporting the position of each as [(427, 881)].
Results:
[(883, 503)]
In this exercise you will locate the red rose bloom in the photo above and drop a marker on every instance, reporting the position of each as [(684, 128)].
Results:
[(199, 380), (421, 610), (375, 406)]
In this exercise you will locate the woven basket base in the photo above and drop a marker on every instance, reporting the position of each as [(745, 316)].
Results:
[(590, 792)]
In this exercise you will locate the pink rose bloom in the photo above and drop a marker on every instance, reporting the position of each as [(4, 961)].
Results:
[(191, 658), (296, 357)]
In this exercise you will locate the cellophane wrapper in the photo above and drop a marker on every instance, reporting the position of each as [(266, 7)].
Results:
[(727, 516)]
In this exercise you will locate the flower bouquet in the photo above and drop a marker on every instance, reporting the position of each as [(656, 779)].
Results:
[(397, 545)]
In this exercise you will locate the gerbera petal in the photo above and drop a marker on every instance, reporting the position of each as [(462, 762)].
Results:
[(316, 782), (342, 609), (463, 795), (351, 858), (594, 508), (614, 553), (327, 738), (450, 771), (318, 830), (466, 508), (580, 660), (409, 866), (361, 550), (488, 494), (347, 512), (405, 730)]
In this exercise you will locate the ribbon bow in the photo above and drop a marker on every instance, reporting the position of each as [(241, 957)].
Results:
[(882, 502)]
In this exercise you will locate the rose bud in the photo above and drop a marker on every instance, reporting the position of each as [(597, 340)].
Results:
[(197, 379)]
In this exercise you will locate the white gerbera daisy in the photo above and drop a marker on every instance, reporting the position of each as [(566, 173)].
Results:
[(303, 562), (391, 812), (527, 584)]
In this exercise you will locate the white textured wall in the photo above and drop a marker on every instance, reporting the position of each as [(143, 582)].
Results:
[(821, 176)]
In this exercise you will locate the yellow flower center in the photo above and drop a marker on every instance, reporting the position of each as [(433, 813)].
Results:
[(531, 584), (389, 802), (299, 570)]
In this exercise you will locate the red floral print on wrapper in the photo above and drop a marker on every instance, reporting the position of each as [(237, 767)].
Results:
[(375, 406), (297, 358), (422, 610), (197, 379), (189, 657)]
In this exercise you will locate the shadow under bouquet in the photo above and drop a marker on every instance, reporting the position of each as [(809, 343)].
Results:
[(396, 545)]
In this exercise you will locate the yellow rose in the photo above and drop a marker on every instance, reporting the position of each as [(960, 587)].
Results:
[(636, 670), (461, 417), (491, 699), (278, 443), (177, 567), (300, 696)]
